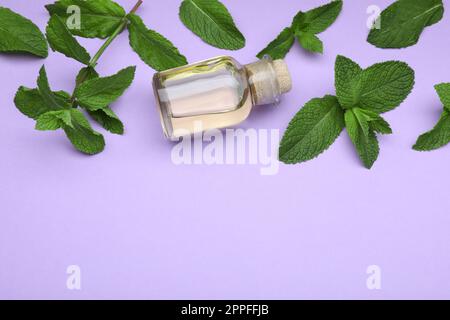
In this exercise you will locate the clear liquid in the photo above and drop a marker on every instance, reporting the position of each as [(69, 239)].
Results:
[(206, 95)]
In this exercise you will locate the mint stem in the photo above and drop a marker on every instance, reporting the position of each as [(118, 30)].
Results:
[(119, 29), (107, 43)]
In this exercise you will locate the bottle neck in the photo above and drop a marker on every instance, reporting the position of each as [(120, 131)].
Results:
[(268, 80)]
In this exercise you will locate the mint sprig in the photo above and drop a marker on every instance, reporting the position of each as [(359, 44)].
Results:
[(107, 19), (402, 23), (58, 110), (95, 94), (305, 27), (361, 96), (439, 136)]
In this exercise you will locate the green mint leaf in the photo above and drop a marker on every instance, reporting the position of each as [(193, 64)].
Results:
[(384, 86), (155, 50), (105, 116), (31, 103), (62, 40), (85, 74), (279, 47), (375, 121), (380, 126), (317, 20), (403, 22), (313, 130), (438, 137), (108, 120), (346, 71), (99, 18), (211, 21), (53, 120), (443, 90), (366, 144), (82, 136), (18, 34), (379, 88), (362, 121), (53, 101), (310, 42), (99, 93)]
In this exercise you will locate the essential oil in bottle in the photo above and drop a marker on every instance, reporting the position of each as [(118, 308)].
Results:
[(216, 93)]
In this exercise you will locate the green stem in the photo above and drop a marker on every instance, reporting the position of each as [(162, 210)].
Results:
[(105, 46), (119, 29)]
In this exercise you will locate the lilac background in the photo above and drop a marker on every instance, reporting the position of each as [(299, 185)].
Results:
[(141, 227)]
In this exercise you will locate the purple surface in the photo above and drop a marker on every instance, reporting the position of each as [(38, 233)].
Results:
[(141, 227)]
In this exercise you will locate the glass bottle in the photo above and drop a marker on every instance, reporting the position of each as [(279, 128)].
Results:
[(216, 93)]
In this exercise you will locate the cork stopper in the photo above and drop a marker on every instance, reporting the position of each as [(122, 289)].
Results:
[(268, 80), (283, 75)]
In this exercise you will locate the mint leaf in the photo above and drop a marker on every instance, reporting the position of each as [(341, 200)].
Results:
[(155, 50), (31, 103), (99, 18), (366, 143), (443, 90), (310, 42), (362, 121), (105, 116), (317, 20), (379, 88), (438, 137), (211, 21), (279, 47), (370, 120), (384, 86), (108, 120), (61, 40), (81, 134), (18, 34), (380, 126), (53, 120), (98, 93), (346, 71), (403, 22), (52, 100), (313, 130), (375, 122)]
